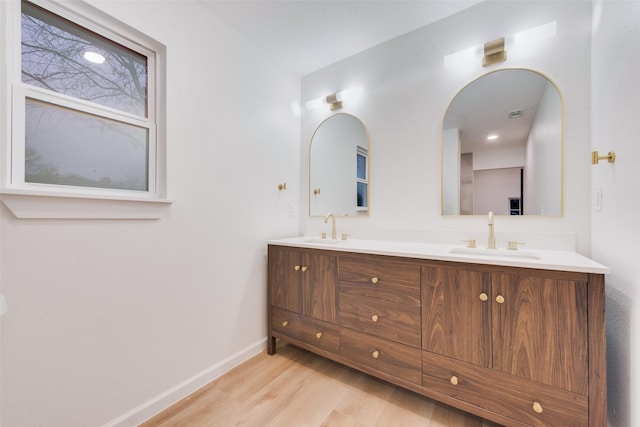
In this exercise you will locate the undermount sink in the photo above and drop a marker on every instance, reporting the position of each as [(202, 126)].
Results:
[(491, 253)]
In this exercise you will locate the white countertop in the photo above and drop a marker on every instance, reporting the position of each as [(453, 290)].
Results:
[(529, 258)]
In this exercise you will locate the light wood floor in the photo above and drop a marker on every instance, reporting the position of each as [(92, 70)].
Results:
[(295, 388)]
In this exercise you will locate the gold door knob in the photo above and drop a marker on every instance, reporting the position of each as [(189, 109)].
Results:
[(537, 407), (374, 280), (296, 268), (375, 354), (285, 323), (500, 299), (375, 317), (454, 380), (319, 335), (483, 297), (304, 268)]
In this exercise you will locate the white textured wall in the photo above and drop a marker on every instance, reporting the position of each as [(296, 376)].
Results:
[(107, 315), (615, 228), (407, 91)]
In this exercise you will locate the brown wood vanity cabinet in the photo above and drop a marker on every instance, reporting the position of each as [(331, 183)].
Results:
[(518, 346), (302, 297)]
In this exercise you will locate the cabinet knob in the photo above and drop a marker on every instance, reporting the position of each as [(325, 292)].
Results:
[(375, 317), (374, 280), (454, 380), (285, 323), (296, 268), (305, 268), (537, 407), (500, 299), (483, 297), (375, 354), (319, 335)]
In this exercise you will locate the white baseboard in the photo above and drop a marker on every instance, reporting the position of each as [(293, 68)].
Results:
[(164, 400)]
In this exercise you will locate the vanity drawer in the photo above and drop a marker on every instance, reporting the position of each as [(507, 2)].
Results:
[(377, 272), (311, 331), (386, 356), (380, 317), (522, 400)]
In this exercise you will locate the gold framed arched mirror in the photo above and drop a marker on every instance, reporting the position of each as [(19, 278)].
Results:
[(502, 146), (339, 167)]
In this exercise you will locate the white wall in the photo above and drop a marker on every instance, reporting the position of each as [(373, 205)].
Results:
[(544, 167), (406, 93), (615, 229), (451, 163), (499, 159), (492, 189), (105, 316)]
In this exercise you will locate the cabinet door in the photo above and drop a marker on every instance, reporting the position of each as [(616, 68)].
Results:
[(284, 278), (540, 329), (456, 314), (319, 284)]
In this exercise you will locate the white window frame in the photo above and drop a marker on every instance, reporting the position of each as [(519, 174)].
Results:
[(34, 200), (362, 151)]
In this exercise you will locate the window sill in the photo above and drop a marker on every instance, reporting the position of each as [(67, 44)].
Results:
[(39, 205)]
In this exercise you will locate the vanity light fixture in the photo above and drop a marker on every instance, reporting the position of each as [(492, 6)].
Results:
[(492, 137), (535, 34), (494, 52), (334, 100)]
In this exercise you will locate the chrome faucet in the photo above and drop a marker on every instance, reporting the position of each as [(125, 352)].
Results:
[(491, 242), (333, 224)]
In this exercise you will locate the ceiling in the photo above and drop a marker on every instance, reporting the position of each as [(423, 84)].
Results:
[(482, 108), (307, 35)]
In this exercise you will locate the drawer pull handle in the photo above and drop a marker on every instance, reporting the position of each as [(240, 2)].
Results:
[(304, 268), (537, 407), (319, 335), (285, 323), (454, 380), (375, 317), (296, 268), (374, 280), (500, 299), (483, 297), (375, 354)]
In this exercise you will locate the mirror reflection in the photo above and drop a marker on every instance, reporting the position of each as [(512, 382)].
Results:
[(339, 167), (502, 146)]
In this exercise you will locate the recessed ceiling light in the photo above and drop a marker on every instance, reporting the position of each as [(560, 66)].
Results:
[(492, 137), (94, 57)]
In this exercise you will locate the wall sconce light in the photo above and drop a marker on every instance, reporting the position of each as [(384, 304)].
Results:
[(494, 52), (596, 157), (334, 100)]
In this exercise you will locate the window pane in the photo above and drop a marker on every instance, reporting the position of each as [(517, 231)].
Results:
[(362, 166), (362, 195), (53, 57), (67, 147)]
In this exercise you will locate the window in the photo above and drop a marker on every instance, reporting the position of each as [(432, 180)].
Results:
[(85, 103), (362, 180)]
